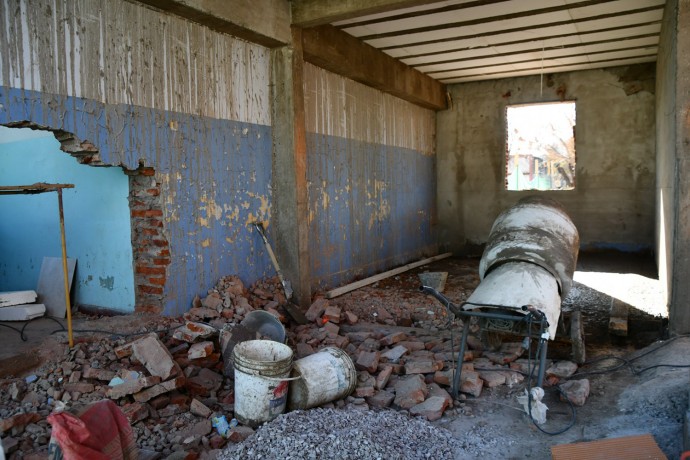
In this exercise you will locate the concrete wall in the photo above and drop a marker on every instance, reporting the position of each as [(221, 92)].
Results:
[(371, 179), (147, 88), (673, 161), (96, 222), (613, 201)]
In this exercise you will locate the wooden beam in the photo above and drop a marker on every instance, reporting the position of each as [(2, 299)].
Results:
[(310, 13), (265, 22), (341, 53)]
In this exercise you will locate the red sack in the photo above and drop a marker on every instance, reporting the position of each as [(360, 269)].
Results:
[(102, 432)]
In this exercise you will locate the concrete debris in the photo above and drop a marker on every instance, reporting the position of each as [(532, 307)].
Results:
[(173, 382), (576, 391)]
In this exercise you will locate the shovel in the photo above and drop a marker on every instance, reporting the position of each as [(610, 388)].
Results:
[(287, 287)]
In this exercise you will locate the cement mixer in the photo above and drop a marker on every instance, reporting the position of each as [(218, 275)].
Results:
[(526, 270)]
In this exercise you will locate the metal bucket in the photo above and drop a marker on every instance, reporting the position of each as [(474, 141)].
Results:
[(325, 376), (262, 371), (536, 230)]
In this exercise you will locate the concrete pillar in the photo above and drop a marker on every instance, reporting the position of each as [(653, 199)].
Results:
[(289, 231), (679, 313)]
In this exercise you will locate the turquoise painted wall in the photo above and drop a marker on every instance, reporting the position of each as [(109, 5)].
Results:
[(97, 222)]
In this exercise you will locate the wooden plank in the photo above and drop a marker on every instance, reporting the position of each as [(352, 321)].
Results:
[(372, 279), (7, 299), (310, 13), (341, 53)]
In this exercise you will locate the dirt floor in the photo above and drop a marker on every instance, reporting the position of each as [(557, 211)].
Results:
[(628, 395)]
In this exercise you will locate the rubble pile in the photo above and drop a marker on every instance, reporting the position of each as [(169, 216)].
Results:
[(174, 382)]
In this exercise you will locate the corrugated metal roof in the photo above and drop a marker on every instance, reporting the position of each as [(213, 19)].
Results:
[(466, 40)]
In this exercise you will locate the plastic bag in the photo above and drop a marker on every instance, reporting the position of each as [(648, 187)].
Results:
[(538, 409), (101, 432)]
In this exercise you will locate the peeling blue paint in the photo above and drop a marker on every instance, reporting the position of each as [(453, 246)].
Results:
[(371, 208), (227, 163)]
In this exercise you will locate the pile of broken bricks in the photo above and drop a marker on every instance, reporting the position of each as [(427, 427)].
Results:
[(171, 383)]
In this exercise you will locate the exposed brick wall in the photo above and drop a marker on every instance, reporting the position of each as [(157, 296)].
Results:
[(150, 248)]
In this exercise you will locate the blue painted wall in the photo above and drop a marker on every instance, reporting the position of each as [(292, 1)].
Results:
[(371, 208), (215, 177), (97, 223)]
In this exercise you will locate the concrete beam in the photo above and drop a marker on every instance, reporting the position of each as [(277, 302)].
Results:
[(290, 199), (338, 52), (310, 13), (265, 22)]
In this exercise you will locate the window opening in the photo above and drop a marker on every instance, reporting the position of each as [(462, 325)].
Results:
[(540, 146)]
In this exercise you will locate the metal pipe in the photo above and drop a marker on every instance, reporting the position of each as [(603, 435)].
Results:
[(64, 269)]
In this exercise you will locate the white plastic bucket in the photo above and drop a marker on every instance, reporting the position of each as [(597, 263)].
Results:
[(325, 376), (262, 371)]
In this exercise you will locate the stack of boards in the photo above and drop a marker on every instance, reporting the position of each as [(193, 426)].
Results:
[(20, 306)]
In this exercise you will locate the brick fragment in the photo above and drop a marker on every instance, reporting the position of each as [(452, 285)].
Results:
[(422, 366), (432, 408), (492, 378), (471, 383), (368, 360), (199, 408), (392, 339), (132, 386), (136, 412), (316, 309), (331, 328), (576, 391), (19, 420), (381, 400), (240, 433), (159, 389), (394, 354), (410, 391), (562, 369), (383, 377), (332, 314), (351, 318), (98, 374), (412, 345), (200, 350), (81, 387), (155, 357)]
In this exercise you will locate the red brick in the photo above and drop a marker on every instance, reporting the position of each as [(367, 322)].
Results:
[(164, 252), (147, 171), (147, 213), (153, 191), (316, 309), (150, 270), (131, 387), (150, 289), (160, 243), (158, 281), (161, 261), (150, 231)]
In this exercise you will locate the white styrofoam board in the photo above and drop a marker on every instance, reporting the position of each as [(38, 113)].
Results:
[(51, 282), (22, 312), (7, 299)]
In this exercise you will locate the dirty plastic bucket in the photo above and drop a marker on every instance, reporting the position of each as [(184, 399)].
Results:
[(262, 374), (322, 377)]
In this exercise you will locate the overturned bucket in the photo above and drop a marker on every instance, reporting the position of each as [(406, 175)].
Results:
[(325, 376), (262, 374)]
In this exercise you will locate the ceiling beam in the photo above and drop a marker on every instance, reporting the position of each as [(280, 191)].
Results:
[(310, 13), (265, 22), (341, 53)]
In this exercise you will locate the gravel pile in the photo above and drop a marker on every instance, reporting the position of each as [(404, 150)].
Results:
[(346, 434)]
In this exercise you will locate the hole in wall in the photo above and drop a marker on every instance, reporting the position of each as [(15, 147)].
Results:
[(113, 220)]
